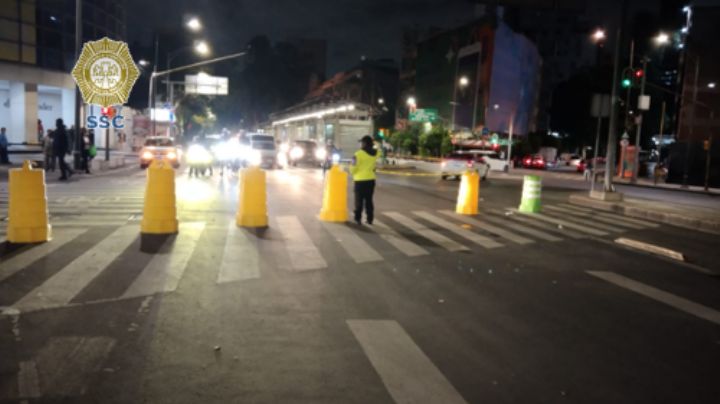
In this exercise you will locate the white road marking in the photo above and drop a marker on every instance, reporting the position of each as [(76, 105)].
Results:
[(669, 299), (356, 247), (593, 217), (406, 246), (611, 216), (431, 235), (523, 229), (557, 221), (589, 223), (407, 373), (651, 248), (28, 381), (166, 268), (240, 258), (303, 253), (24, 259), (59, 289), (488, 227), (478, 239)]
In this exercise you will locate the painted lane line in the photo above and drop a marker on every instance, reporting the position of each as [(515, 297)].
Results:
[(529, 220), (303, 253), (521, 228), (478, 239), (589, 223), (359, 250), (407, 373), (431, 235), (166, 268), (557, 221), (593, 217), (60, 289), (488, 227), (661, 296), (23, 260), (240, 259), (406, 246), (651, 248), (611, 216)]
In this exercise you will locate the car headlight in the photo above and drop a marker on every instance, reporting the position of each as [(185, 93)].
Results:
[(255, 158), (335, 158), (198, 154), (171, 155), (296, 153), (147, 155), (284, 147), (321, 154)]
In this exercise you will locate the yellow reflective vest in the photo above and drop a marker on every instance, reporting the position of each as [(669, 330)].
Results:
[(363, 168)]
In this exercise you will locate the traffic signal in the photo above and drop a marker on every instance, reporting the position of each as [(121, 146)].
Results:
[(639, 73), (626, 83)]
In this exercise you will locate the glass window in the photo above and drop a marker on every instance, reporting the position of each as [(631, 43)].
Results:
[(27, 11), (9, 8), (9, 51), (28, 34), (29, 54), (9, 30)]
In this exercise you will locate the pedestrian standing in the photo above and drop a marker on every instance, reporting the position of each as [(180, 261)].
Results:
[(60, 147), (588, 173), (40, 131), (3, 147), (363, 172), (85, 144), (48, 151)]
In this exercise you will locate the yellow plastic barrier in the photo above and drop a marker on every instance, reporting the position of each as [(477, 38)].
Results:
[(160, 211), (252, 203), (334, 207), (467, 202), (28, 213)]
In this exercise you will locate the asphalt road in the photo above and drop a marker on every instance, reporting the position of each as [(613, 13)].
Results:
[(424, 306)]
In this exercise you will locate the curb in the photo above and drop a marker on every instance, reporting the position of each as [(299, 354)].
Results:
[(693, 223), (651, 248)]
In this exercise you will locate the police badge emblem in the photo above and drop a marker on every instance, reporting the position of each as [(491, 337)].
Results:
[(105, 72)]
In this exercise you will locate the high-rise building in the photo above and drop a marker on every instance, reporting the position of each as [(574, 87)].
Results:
[(37, 52)]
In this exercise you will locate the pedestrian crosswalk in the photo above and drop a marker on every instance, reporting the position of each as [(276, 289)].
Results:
[(295, 243)]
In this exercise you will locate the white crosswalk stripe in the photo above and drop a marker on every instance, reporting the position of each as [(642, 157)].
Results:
[(573, 213), (64, 285), (560, 213), (558, 221), (406, 246), (240, 257), (304, 255), (359, 250), (510, 224), (423, 231), (22, 260), (625, 219), (532, 222), (478, 239), (163, 272), (488, 227)]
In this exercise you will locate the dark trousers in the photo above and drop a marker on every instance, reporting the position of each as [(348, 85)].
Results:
[(4, 155), (364, 198), (64, 168), (85, 163)]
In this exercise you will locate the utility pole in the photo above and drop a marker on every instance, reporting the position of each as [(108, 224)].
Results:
[(662, 140), (612, 136), (78, 97), (638, 127), (628, 121), (691, 119), (708, 154)]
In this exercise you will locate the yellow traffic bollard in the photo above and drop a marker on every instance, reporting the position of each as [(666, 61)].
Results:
[(28, 212), (467, 202), (530, 202), (159, 211), (252, 203), (334, 207)]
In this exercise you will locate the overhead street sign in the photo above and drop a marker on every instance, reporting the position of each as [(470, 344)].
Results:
[(424, 115)]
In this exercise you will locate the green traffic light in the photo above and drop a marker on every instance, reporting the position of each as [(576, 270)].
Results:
[(626, 83)]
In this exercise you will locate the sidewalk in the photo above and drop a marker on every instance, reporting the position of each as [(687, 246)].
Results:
[(692, 217), (118, 159)]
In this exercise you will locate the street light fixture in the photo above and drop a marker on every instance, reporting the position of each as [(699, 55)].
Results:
[(194, 24), (662, 38), (411, 102), (463, 81), (598, 35), (143, 63), (711, 85), (202, 48), (381, 100)]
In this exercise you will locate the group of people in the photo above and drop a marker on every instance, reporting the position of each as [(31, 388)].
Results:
[(56, 144)]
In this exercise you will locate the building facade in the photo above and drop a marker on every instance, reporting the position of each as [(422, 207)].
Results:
[(37, 52)]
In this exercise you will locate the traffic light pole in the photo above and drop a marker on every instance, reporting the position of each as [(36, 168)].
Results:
[(638, 128)]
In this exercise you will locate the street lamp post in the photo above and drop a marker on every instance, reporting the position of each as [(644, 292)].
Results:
[(78, 96)]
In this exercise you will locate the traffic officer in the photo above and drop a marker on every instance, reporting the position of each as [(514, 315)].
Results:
[(363, 172)]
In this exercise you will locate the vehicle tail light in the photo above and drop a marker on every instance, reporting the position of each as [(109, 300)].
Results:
[(527, 161)]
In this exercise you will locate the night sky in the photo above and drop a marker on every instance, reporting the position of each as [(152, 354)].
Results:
[(353, 28)]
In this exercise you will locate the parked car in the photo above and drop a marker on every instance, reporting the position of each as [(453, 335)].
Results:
[(456, 163), (534, 161)]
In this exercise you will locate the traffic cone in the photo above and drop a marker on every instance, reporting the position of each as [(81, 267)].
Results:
[(28, 212), (467, 202), (334, 207), (530, 202), (252, 203), (159, 210)]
